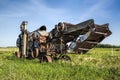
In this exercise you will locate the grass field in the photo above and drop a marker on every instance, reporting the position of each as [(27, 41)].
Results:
[(97, 64)]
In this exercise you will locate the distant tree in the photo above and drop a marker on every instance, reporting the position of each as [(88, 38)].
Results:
[(107, 46), (11, 47)]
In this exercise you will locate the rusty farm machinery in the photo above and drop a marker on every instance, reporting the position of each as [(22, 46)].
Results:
[(64, 38)]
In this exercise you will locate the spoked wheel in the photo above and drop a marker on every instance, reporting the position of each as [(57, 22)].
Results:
[(46, 58), (64, 57)]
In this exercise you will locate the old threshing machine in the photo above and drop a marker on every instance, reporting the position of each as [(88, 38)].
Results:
[(64, 38)]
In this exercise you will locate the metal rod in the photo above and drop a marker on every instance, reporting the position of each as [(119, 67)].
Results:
[(24, 36)]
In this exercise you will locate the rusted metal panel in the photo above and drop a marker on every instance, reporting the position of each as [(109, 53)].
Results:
[(80, 28), (90, 39), (73, 31)]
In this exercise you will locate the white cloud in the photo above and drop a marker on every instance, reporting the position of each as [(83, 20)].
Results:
[(98, 10), (13, 15)]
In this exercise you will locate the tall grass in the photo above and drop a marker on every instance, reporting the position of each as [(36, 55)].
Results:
[(97, 64)]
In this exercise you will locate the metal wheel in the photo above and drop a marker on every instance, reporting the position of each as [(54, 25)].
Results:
[(65, 57), (46, 58)]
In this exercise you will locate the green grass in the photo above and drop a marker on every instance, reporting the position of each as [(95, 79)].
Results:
[(97, 64)]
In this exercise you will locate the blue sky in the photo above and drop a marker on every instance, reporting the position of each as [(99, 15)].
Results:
[(50, 12)]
